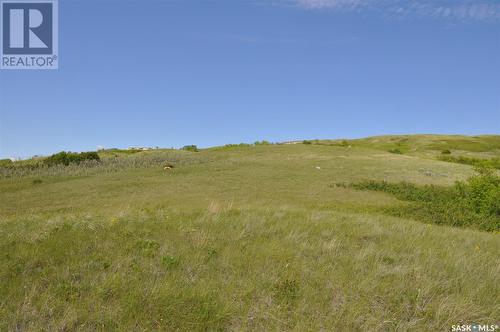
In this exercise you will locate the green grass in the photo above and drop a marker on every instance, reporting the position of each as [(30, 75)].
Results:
[(242, 237), (428, 145)]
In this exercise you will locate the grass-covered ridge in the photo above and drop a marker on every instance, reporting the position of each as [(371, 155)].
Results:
[(245, 237), (426, 145)]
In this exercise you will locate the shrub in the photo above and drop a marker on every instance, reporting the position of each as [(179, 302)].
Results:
[(67, 158), (488, 163), (192, 148), (406, 191), (446, 152), (306, 142), (344, 143), (474, 203), (262, 143), (37, 181), (481, 193), (6, 163)]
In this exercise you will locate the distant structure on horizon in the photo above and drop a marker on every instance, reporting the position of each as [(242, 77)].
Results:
[(139, 148)]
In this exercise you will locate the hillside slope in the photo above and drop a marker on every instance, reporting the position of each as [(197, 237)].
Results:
[(266, 237)]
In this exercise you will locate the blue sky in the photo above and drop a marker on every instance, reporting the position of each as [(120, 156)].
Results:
[(174, 72)]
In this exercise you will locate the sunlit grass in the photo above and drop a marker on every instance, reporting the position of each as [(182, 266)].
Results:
[(242, 237), (243, 270)]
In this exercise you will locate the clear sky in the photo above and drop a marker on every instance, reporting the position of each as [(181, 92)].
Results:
[(210, 72)]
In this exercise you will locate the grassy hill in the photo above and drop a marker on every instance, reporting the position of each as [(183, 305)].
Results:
[(245, 237)]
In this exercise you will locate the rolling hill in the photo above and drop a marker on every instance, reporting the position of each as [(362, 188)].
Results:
[(249, 237)]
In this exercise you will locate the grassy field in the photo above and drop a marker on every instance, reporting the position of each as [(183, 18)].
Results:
[(253, 238)]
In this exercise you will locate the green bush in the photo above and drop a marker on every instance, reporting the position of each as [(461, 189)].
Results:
[(306, 142), (408, 191), (446, 152), (488, 163), (192, 148), (6, 163), (474, 203), (262, 143), (67, 158), (481, 193)]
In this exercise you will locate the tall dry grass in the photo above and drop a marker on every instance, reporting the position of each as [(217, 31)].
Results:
[(105, 165)]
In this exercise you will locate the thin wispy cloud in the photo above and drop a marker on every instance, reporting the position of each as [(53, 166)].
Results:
[(335, 4), (439, 9)]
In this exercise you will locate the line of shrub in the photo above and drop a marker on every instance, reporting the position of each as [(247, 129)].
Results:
[(493, 162), (262, 143), (474, 203)]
